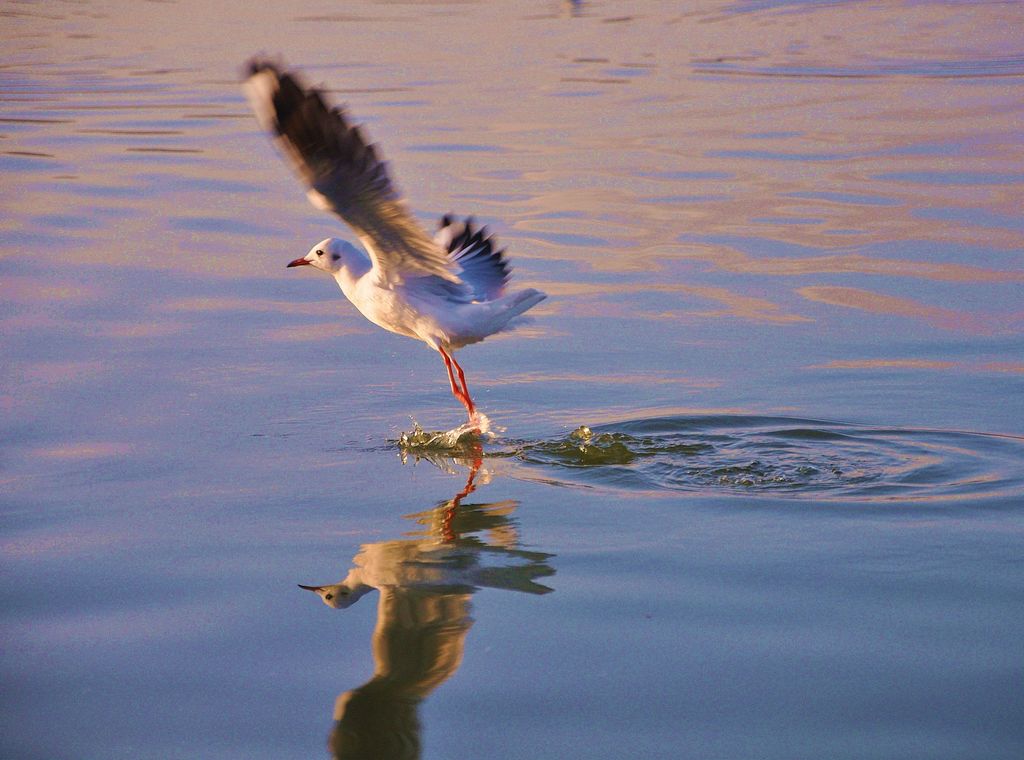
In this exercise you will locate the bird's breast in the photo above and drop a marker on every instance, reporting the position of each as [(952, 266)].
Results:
[(387, 308)]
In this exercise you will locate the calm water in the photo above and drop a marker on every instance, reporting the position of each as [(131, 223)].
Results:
[(757, 485)]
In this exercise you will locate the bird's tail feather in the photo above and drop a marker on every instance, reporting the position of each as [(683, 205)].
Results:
[(497, 317), (523, 300), (512, 306), (503, 315)]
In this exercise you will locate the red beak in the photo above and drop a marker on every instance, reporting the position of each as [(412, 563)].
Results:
[(298, 263)]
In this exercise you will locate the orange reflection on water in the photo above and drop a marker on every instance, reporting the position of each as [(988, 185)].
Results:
[(62, 543), (735, 261), (1014, 367), (226, 303), (86, 450), (738, 305), (137, 329), (741, 306), (57, 372), (877, 303), (885, 364), (310, 332), (647, 377)]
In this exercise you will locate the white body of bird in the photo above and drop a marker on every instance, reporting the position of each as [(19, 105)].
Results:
[(416, 309)]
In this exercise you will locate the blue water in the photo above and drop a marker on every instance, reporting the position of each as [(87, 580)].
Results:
[(755, 475)]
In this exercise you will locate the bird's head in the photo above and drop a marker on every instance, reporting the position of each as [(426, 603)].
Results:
[(329, 255), (339, 595)]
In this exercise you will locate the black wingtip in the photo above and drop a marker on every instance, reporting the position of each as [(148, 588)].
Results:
[(259, 63)]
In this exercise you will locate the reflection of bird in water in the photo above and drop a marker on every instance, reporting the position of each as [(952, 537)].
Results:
[(425, 584), (448, 291)]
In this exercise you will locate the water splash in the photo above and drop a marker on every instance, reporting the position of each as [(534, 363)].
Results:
[(757, 456), (459, 440), (584, 448)]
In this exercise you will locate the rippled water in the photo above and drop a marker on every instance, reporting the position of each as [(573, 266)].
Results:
[(756, 456), (753, 479)]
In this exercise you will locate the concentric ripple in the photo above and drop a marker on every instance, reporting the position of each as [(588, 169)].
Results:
[(776, 456)]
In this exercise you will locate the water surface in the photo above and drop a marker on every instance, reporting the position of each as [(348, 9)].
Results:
[(755, 481)]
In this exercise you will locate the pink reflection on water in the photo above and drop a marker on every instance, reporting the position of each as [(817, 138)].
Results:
[(877, 303)]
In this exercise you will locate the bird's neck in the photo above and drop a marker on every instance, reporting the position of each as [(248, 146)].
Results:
[(346, 282), (354, 265)]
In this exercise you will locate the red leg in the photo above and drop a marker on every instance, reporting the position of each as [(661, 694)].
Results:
[(451, 375), (460, 393), (465, 388)]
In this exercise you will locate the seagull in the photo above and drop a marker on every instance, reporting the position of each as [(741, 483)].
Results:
[(448, 290)]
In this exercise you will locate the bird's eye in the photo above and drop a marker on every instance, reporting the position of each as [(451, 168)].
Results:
[(319, 253), (328, 596)]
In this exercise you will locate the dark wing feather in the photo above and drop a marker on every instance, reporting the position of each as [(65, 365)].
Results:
[(483, 266), (344, 174)]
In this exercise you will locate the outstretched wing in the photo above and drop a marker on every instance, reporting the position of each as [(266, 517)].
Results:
[(483, 266), (344, 174)]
